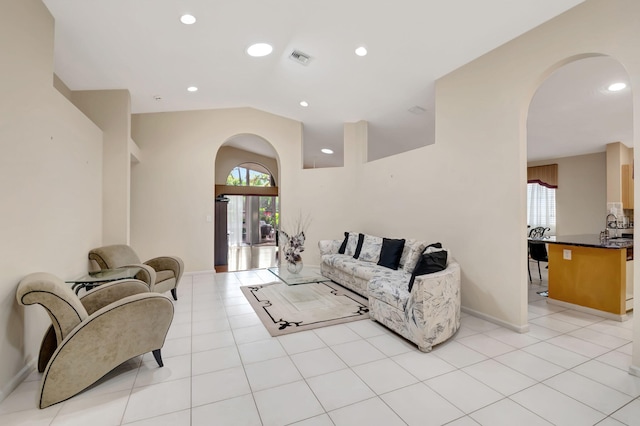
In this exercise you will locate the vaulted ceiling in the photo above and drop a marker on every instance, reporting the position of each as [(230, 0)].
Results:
[(142, 46)]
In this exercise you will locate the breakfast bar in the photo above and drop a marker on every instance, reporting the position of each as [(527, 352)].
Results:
[(586, 272)]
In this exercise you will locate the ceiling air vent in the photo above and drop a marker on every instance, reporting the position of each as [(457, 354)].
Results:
[(300, 57)]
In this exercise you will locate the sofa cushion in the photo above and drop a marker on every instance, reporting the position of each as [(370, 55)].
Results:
[(390, 287), (413, 256), (357, 268), (358, 246), (343, 246), (371, 247), (352, 242), (390, 253), (432, 260)]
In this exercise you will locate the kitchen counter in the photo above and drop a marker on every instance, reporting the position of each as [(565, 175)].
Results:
[(587, 273), (589, 240)]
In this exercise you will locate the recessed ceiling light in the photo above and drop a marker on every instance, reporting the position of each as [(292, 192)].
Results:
[(361, 51), (188, 19), (192, 89), (326, 151), (616, 87), (304, 103), (259, 49)]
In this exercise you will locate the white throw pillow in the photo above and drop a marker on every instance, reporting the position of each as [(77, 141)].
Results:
[(371, 247)]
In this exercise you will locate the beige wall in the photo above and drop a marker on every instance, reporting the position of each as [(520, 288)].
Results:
[(111, 111), (581, 197), (50, 167), (228, 157), (481, 127)]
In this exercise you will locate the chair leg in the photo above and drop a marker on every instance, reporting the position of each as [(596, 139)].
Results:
[(158, 357), (529, 269), (174, 293), (539, 273)]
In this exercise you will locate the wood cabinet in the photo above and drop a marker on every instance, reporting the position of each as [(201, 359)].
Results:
[(627, 186)]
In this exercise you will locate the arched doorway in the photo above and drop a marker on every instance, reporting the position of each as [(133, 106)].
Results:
[(585, 130), (247, 204)]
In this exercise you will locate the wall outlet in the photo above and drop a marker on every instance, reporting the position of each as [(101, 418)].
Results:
[(566, 254)]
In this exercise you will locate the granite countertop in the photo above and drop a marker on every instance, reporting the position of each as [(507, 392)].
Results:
[(588, 240)]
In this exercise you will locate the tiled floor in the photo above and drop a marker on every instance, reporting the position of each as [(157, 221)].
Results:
[(223, 368)]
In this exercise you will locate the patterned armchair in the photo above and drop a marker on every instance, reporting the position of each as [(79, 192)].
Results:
[(161, 273)]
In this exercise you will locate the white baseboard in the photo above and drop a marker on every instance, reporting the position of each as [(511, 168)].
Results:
[(517, 328), (596, 312), (634, 371), (199, 272), (17, 379)]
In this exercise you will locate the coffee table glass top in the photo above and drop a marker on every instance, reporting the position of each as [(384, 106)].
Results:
[(94, 279), (309, 274)]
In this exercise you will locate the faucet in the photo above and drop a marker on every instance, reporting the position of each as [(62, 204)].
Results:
[(611, 224)]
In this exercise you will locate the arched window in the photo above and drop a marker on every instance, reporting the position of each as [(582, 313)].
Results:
[(250, 174)]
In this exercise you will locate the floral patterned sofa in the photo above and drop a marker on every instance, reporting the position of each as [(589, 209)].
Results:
[(426, 314)]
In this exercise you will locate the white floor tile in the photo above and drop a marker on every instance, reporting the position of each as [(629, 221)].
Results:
[(392, 345), (340, 388), (570, 343), (322, 420), (556, 407), (174, 347), (555, 324), (592, 336), (629, 414), (250, 334), (94, 410), (541, 333), (368, 328), (337, 334), (155, 400), (205, 327), (477, 324), (507, 413), (486, 345), (301, 342), (512, 338), (464, 391), (589, 392), (244, 320), (271, 373), (499, 377), (384, 376), (317, 362), (214, 360), (616, 359), (357, 352), (419, 405), (612, 330), (458, 354), (261, 350), (24, 397), (610, 421), (178, 418), (464, 421), (366, 413), (240, 410), (530, 365), (555, 354), (610, 376), (219, 385), (177, 367), (32, 417), (423, 365), (575, 317), (287, 404), (210, 341)]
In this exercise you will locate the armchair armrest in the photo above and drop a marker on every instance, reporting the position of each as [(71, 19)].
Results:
[(167, 263), (108, 293), (329, 246), (434, 304), (147, 275)]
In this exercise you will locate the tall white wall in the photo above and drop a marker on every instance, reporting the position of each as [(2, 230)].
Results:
[(50, 180)]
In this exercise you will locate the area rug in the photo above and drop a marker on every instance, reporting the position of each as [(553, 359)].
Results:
[(287, 309)]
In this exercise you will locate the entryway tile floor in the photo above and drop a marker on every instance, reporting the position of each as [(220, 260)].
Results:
[(223, 368)]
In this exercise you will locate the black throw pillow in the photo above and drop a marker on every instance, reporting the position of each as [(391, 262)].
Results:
[(391, 253), (343, 246), (359, 246), (428, 264)]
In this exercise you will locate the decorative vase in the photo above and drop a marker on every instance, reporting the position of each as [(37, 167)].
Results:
[(295, 267)]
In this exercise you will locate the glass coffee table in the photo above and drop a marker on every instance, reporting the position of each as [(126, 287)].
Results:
[(94, 279), (308, 275)]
